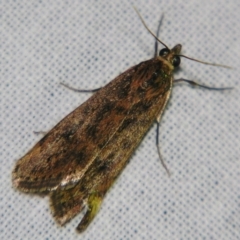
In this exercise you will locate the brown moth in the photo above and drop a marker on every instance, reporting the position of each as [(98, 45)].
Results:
[(80, 158)]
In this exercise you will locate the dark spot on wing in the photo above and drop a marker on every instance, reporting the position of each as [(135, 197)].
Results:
[(111, 156), (67, 134), (80, 157), (126, 123), (57, 164), (101, 165), (34, 170), (140, 107), (92, 130), (105, 109), (125, 87), (102, 142), (87, 109), (59, 176), (120, 110), (48, 160), (152, 81), (126, 145)]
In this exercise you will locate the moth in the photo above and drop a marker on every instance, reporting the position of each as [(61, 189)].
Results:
[(79, 159)]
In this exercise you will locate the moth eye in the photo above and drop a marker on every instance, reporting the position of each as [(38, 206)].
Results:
[(176, 61), (164, 52)]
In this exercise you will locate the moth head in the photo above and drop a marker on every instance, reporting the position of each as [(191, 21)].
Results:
[(172, 55)]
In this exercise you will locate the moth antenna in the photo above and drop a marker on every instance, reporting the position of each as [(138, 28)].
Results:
[(145, 25), (207, 63), (157, 34)]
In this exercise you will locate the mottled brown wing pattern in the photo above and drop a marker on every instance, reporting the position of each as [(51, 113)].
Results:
[(75, 141), (79, 159), (71, 145), (109, 163)]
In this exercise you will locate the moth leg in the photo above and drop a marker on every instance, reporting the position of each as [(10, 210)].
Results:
[(40, 132), (159, 152), (79, 90), (94, 203), (200, 85)]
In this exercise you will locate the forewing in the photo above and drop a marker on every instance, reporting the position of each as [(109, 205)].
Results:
[(113, 157), (64, 155)]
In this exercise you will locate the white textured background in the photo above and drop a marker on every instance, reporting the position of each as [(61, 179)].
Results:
[(86, 44)]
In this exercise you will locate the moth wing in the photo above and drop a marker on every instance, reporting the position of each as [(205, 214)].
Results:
[(64, 154), (109, 163), (62, 157)]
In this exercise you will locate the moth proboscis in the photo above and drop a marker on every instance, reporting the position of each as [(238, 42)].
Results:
[(79, 159)]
